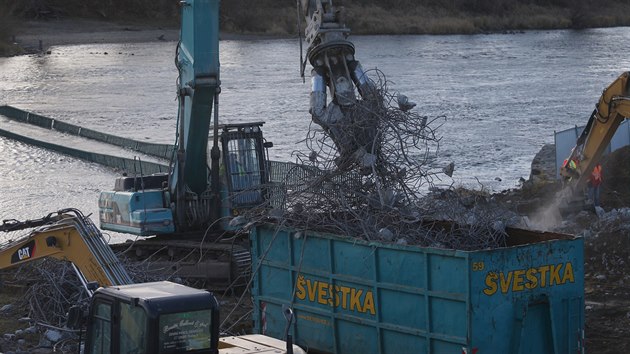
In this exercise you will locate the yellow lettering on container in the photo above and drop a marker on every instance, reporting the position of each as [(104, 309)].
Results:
[(505, 282), (322, 291), (312, 289), (491, 283), (355, 296), (555, 275), (532, 281), (517, 285), (300, 292), (543, 275), (568, 274), (528, 279), (344, 297), (368, 304)]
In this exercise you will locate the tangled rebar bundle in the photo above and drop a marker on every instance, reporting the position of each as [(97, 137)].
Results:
[(374, 186)]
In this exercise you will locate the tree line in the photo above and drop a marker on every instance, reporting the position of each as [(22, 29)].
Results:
[(279, 17)]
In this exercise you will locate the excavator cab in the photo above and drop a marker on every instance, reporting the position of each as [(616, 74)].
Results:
[(143, 205), (160, 317), (166, 318), (245, 170)]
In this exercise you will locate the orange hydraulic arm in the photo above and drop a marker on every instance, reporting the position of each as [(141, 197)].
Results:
[(613, 107), (67, 237)]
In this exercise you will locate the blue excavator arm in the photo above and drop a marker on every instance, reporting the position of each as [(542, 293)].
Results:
[(198, 90), (199, 86)]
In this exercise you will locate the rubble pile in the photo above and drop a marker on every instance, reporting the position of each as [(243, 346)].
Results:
[(52, 288), (615, 191)]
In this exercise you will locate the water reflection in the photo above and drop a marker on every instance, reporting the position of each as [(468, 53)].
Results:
[(503, 96)]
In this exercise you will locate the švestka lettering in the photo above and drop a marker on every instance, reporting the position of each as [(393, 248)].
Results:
[(527, 279), (344, 297)]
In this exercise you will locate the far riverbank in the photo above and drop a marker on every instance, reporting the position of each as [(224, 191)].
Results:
[(21, 29)]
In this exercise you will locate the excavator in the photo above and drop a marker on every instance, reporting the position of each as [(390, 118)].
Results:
[(123, 317), (207, 190), (611, 109), (202, 193)]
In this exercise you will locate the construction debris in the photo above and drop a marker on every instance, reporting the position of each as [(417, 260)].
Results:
[(383, 193), (52, 288)]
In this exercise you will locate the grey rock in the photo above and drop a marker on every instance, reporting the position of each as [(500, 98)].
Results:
[(401, 241), (385, 234), (44, 343), (368, 160), (600, 212), (52, 335), (448, 170), (403, 103)]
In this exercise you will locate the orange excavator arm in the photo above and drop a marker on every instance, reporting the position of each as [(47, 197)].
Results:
[(613, 107), (67, 237)]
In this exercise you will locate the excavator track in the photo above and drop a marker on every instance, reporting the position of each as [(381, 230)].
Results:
[(211, 265)]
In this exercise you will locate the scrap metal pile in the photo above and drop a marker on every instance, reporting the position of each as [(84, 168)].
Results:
[(381, 190), (53, 288)]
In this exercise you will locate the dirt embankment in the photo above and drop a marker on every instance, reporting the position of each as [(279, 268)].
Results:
[(38, 36), (279, 18)]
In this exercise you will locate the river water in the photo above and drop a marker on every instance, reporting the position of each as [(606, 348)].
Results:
[(503, 95)]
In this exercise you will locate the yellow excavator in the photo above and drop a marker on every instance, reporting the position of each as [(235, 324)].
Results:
[(123, 317), (613, 107)]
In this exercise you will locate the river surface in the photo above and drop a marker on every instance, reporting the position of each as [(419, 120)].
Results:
[(503, 95)]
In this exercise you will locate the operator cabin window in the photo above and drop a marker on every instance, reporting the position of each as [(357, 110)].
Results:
[(133, 329), (245, 171), (102, 328)]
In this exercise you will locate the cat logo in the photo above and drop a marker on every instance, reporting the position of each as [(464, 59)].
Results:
[(23, 253)]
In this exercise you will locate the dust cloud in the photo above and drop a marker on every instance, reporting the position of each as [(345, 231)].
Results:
[(548, 216)]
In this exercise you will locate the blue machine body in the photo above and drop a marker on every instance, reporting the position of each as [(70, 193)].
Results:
[(137, 205), (354, 296), (148, 211)]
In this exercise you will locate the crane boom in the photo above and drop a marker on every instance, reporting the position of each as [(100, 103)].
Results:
[(70, 236), (611, 109)]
